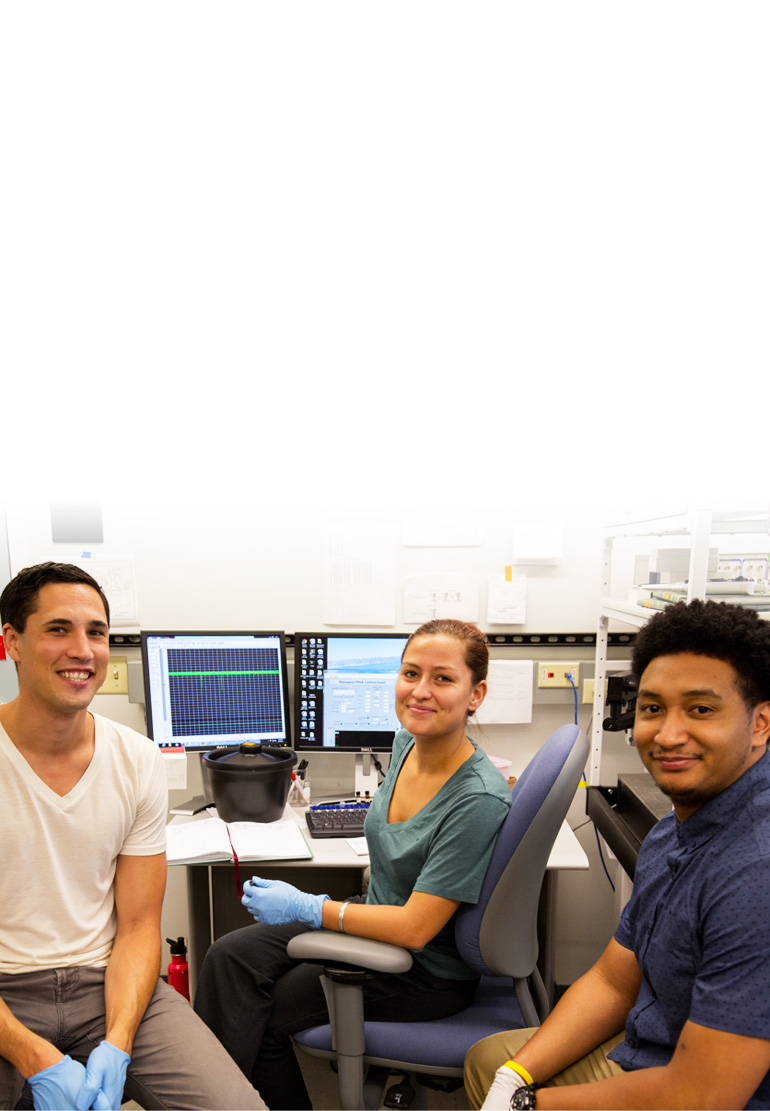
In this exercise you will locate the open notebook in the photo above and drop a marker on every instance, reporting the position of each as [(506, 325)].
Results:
[(211, 839)]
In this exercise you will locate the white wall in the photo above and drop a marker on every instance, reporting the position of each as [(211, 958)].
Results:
[(221, 565)]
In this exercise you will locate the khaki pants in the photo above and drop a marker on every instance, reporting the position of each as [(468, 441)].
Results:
[(485, 1058)]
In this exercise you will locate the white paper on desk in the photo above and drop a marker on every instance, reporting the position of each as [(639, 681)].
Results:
[(359, 845), (509, 693), (207, 839), (442, 594), (360, 577), (507, 600)]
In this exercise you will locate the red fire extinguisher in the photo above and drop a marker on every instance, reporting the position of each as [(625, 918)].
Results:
[(178, 969)]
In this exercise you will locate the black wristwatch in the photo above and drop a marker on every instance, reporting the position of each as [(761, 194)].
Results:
[(524, 1099)]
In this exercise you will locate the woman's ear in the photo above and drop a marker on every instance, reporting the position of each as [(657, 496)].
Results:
[(478, 695)]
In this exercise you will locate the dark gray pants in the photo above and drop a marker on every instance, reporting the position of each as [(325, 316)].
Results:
[(176, 1062), (254, 997)]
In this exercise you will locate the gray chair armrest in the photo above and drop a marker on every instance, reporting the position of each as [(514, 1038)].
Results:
[(325, 945)]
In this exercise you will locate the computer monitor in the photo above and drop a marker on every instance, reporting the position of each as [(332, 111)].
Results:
[(344, 695), (208, 690)]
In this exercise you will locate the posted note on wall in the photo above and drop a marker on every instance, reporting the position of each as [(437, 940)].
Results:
[(115, 575), (507, 599), (176, 771), (360, 577), (443, 594), (509, 694)]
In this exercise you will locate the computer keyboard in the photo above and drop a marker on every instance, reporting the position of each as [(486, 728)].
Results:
[(337, 821)]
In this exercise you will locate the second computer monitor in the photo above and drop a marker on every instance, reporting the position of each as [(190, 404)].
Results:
[(344, 691)]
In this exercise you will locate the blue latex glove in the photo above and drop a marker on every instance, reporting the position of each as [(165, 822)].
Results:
[(275, 902), (104, 1080), (55, 1088)]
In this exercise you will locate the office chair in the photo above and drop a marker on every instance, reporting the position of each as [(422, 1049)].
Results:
[(497, 938)]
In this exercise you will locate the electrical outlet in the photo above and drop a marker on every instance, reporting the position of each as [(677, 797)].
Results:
[(589, 686), (555, 674), (116, 679)]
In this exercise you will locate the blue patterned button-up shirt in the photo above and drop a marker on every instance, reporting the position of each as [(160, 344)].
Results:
[(698, 922)]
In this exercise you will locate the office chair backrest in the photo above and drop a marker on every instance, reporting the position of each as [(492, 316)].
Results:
[(498, 935)]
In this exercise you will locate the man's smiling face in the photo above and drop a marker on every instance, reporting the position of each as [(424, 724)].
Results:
[(63, 653), (694, 731)]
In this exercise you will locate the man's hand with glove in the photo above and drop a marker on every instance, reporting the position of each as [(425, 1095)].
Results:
[(55, 1088), (275, 902), (105, 1078)]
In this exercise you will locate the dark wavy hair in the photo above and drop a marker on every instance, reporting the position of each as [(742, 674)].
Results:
[(19, 599), (734, 634)]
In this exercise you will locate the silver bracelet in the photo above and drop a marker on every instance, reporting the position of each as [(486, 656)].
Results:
[(340, 926)]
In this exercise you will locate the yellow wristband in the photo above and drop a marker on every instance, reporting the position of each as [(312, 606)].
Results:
[(520, 1070)]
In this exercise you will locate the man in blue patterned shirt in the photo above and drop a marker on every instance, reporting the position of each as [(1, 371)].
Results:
[(676, 1011)]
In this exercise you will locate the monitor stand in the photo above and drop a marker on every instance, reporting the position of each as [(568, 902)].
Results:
[(367, 780), (192, 806)]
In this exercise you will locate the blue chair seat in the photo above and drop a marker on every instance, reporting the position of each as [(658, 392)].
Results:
[(442, 1042)]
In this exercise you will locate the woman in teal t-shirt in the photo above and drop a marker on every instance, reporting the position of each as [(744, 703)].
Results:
[(431, 829)]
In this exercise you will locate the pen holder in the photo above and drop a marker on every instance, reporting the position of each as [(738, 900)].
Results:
[(299, 795)]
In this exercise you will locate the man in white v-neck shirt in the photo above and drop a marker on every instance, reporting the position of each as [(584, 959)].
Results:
[(83, 807)]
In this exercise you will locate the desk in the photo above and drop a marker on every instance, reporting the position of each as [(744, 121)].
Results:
[(625, 814), (215, 909)]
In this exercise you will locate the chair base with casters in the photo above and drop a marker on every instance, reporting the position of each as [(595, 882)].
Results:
[(496, 937)]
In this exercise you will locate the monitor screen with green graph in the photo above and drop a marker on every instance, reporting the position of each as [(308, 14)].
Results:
[(206, 690)]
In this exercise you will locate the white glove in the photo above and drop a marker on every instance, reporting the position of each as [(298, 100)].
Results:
[(506, 1082)]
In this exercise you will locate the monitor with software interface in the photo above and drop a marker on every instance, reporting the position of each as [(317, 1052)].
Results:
[(344, 691), (207, 690)]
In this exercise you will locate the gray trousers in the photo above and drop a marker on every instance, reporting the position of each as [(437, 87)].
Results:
[(176, 1062)]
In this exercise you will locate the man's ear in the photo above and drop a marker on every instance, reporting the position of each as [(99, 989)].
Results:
[(10, 640), (761, 724)]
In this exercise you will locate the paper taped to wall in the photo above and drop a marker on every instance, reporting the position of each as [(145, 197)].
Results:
[(509, 697), (446, 594), (507, 599)]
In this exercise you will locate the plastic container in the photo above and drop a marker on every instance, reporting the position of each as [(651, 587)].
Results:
[(299, 795), (250, 782), (178, 969)]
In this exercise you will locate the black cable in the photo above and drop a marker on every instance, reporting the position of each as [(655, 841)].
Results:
[(601, 857)]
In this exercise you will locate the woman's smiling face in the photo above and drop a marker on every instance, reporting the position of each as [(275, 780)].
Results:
[(435, 690)]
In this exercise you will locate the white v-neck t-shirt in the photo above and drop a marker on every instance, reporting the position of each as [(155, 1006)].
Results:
[(58, 854)]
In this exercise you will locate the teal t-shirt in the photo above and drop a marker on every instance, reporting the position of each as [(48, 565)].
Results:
[(443, 849)]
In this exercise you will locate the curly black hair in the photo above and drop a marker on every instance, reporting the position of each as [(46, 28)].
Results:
[(734, 634)]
